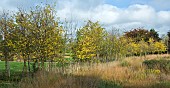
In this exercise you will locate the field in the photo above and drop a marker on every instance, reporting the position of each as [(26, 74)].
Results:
[(128, 73)]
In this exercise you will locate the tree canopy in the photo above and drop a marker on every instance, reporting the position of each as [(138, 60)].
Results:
[(140, 33)]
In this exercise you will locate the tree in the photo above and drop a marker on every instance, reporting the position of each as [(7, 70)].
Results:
[(132, 48), (40, 37), (153, 34), (140, 33), (89, 40), (7, 43), (159, 47), (168, 34), (24, 37), (48, 34), (143, 47), (151, 45)]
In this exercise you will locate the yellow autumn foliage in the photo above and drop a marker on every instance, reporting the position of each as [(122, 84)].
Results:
[(89, 40)]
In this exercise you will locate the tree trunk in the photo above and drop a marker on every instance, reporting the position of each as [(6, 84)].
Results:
[(7, 67), (29, 69), (42, 64), (24, 67), (50, 65)]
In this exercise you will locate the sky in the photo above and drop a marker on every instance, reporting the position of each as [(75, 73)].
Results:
[(120, 14)]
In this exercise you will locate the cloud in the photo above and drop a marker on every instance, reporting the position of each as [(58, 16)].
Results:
[(144, 13), (136, 15), (163, 18)]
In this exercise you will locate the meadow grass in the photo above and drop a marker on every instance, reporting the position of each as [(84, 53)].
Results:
[(103, 75), (127, 73)]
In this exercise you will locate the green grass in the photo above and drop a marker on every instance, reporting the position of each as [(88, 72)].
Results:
[(14, 66), (15, 71), (18, 66)]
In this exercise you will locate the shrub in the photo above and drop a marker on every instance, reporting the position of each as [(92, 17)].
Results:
[(162, 85), (109, 84), (162, 65)]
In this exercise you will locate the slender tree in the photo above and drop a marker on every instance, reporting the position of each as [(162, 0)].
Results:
[(7, 42)]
